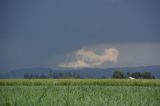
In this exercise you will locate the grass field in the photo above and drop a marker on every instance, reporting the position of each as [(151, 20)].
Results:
[(103, 82), (76, 92)]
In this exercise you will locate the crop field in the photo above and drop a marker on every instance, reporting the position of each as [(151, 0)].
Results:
[(79, 92), (103, 82)]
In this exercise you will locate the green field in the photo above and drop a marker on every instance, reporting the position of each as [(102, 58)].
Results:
[(79, 92), (103, 82)]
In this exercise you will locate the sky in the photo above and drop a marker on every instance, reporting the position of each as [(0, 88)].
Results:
[(79, 33)]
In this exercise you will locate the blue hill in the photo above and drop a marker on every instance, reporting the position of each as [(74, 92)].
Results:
[(83, 73)]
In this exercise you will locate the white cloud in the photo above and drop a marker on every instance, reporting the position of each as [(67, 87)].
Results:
[(86, 58), (103, 56)]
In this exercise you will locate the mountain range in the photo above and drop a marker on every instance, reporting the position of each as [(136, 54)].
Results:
[(83, 73)]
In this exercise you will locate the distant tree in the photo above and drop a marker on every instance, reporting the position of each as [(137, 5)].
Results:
[(147, 75), (139, 75), (36, 75), (118, 74), (31, 75), (76, 75), (53, 75), (26, 76), (42, 75), (129, 74), (136, 75), (50, 74)]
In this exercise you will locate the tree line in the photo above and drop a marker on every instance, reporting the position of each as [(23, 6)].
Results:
[(52, 75), (136, 75), (116, 74)]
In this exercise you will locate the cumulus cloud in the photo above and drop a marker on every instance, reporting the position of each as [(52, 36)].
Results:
[(86, 58)]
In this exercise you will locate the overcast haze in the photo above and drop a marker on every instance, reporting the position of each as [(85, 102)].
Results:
[(50, 33)]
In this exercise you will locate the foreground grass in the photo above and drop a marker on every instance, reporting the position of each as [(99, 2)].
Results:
[(79, 92), (104, 82), (79, 96)]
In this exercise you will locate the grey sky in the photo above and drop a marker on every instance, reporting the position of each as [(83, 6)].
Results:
[(35, 33)]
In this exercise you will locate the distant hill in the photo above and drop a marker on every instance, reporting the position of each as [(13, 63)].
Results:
[(83, 73)]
